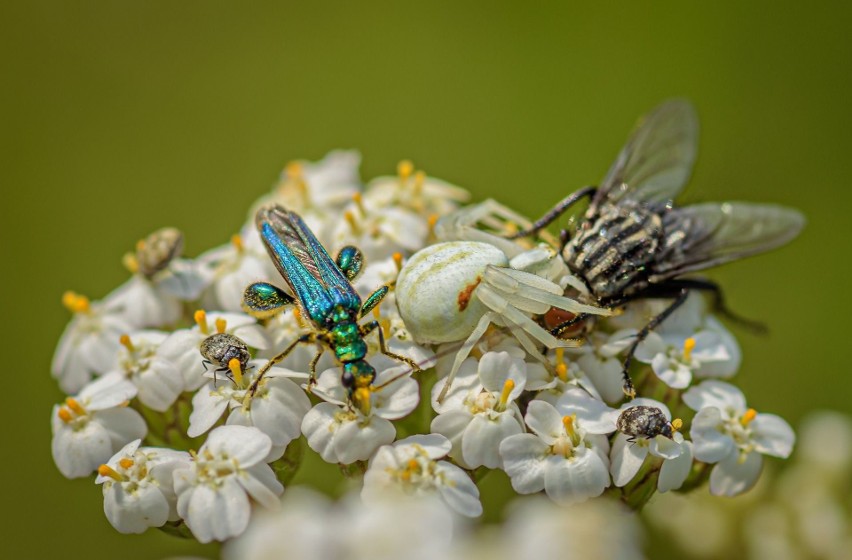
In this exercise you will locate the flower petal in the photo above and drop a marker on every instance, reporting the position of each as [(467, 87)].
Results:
[(523, 460), (735, 474)]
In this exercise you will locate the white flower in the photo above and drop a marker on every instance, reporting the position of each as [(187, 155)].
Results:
[(479, 412), (411, 465), (379, 232), (538, 528), (182, 346), (213, 492), (138, 488), (143, 303), (551, 386), (676, 357), (89, 344), (90, 427), (277, 408), (415, 191), (322, 186), (235, 266), (559, 457), (340, 432), (158, 381), (726, 432), (626, 458), (600, 362)]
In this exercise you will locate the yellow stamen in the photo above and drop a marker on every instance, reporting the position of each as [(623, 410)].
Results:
[(569, 423), (237, 242), (293, 170), (359, 202), (236, 370), (562, 371), (413, 465), (404, 169), (201, 320), (508, 386), (677, 424), (397, 260), (297, 313), (432, 220), (106, 470), (75, 303), (125, 341), (560, 355), (749, 415), (688, 347), (361, 397), (349, 216), (64, 414), (140, 245), (419, 180), (130, 262), (221, 325), (75, 406), (511, 228), (125, 463)]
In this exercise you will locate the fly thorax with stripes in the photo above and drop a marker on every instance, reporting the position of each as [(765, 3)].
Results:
[(614, 252)]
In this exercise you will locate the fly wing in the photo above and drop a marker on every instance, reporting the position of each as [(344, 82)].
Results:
[(657, 160), (303, 262), (706, 235)]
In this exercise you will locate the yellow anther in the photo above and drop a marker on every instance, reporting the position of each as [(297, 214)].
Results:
[(562, 371), (237, 242), (560, 355), (125, 341), (432, 220), (404, 169), (376, 313), (140, 245), (413, 465), (511, 228), (419, 180), (75, 406), (361, 397), (125, 463), (350, 218), (106, 470), (236, 370), (677, 424), (221, 325), (75, 303), (570, 422), (405, 476), (508, 386), (688, 347), (201, 320), (293, 170), (130, 262), (297, 313), (65, 414), (749, 415), (397, 260), (359, 202)]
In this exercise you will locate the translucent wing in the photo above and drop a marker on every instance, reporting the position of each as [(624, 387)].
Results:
[(705, 235), (657, 160), (304, 263)]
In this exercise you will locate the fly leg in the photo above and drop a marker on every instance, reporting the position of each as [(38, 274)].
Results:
[(719, 302), (627, 387), (307, 338), (561, 207)]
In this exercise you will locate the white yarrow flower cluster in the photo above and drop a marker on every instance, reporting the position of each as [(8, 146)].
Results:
[(193, 405)]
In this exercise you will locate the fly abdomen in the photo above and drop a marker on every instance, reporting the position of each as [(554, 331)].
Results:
[(613, 255)]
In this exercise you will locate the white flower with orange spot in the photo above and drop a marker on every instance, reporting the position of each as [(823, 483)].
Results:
[(479, 411), (138, 487), (675, 358), (726, 432), (90, 427), (215, 491), (415, 190), (89, 345), (564, 456), (411, 466)]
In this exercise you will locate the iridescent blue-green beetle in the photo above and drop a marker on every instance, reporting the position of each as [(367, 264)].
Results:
[(324, 295)]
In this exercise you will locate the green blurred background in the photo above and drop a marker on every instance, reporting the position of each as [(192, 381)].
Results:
[(120, 117)]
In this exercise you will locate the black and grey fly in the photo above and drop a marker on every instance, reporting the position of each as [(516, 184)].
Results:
[(634, 243)]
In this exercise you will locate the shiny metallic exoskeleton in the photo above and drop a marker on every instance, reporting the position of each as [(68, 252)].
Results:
[(644, 421), (633, 242), (220, 348), (155, 252)]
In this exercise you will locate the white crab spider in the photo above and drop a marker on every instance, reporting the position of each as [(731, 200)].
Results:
[(455, 289)]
